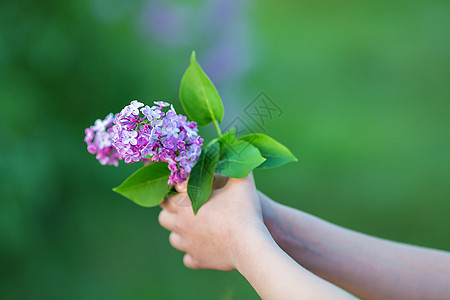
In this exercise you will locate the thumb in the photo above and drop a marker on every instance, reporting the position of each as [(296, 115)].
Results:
[(181, 187)]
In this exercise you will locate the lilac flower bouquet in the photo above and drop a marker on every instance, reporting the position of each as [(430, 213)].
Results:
[(169, 146)]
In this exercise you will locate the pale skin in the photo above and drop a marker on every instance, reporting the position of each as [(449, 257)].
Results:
[(368, 267), (282, 251), (228, 233)]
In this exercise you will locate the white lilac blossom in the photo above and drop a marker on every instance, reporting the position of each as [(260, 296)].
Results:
[(99, 141), (154, 136)]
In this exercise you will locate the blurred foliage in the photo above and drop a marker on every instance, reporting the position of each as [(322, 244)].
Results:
[(364, 90)]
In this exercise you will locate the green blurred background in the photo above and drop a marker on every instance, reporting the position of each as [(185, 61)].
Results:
[(364, 90)]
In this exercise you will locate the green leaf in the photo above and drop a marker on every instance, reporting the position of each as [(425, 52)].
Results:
[(199, 97), (212, 142), (227, 139), (202, 175), (147, 186), (275, 153), (238, 159)]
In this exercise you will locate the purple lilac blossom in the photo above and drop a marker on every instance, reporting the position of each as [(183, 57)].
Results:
[(156, 136), (99, 141)]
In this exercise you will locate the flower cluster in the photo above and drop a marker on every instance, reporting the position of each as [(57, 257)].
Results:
[(148, 134), (99, 141)]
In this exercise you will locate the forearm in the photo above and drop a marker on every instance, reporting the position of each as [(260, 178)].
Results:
[(366, 266), (274, 275)]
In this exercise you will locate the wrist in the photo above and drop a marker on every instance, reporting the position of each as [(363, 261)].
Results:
[(249, 244), (286, 227), (272, 218)]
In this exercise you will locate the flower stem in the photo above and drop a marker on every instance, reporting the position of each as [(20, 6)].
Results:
[(216, 124)]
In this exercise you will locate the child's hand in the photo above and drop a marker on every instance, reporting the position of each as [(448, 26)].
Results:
[(213, 237)]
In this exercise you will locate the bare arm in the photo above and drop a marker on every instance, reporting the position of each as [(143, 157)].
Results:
[(228, 233), (368, 267), (274, 275)]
